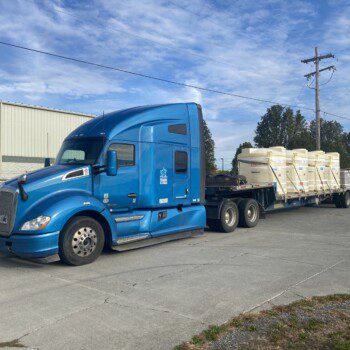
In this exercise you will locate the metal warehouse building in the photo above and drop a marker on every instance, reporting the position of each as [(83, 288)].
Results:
[(29, 134)]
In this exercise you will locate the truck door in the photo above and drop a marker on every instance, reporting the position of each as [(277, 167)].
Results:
[(120, 192), (181, 177)]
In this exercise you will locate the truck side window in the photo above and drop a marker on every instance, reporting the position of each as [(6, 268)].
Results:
[(181, 161), (178, 129), (125, 153)]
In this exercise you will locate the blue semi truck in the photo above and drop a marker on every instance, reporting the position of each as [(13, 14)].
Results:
[(125, 180)]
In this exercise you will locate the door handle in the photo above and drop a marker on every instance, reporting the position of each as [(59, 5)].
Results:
[(132, 195)]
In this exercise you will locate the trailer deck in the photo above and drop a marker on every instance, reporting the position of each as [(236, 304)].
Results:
[(229, 204)]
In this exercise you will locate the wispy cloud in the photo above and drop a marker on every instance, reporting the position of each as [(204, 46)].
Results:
[(250, 48)]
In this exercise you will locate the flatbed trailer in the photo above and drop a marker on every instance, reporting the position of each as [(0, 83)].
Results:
[(228, 206)]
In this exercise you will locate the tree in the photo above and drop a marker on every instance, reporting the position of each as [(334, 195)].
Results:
[(301, 136), (333, 139), (238, 151), (279, 126), (346, 161), (276, 127), (209, 145), (282, 127)]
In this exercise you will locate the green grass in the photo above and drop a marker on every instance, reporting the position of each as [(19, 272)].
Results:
[(294, 326), (342, 345), (212, 332)]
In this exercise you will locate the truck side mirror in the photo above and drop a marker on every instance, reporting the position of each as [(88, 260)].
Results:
[(47, 162), (111, 166)]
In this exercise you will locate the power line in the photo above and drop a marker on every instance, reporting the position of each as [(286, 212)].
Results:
[(330, 78), (206, 18), (147, 76)]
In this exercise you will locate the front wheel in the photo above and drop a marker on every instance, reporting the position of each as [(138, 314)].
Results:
[(81, 241)]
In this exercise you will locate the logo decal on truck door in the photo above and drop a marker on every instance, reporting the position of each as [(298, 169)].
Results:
[(163, 178), (3, 219)]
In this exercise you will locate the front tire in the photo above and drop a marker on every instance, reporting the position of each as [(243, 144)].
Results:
[(81, 241)]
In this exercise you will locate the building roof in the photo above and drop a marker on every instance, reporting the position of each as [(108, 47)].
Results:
[(46, 108)]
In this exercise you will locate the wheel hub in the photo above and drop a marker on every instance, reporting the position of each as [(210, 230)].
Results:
[(230, 217), (84, 241), (251, 213)]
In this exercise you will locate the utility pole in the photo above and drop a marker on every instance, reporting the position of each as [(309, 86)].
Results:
[(316, 73), (222, 164)]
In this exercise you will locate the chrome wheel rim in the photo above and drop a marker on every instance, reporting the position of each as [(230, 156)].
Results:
[(230, 217), (252, 213), (84, 241)]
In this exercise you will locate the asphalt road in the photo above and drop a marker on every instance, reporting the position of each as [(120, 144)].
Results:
[(156, 297)]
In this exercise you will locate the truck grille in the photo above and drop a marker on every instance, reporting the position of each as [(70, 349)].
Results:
[(8, 206)]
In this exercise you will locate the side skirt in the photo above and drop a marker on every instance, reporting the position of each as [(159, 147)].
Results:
[(156, 240)]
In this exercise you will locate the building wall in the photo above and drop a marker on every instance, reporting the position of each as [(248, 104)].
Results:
[(29, 134)]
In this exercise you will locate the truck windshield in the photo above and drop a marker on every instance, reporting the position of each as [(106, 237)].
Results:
[(82, 150)]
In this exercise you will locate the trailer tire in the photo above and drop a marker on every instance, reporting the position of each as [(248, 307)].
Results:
[(229, 217), (249, 213), (343, 201), (81, 241)]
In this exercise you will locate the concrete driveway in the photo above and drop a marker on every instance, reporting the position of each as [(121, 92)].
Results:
[(156, 297)]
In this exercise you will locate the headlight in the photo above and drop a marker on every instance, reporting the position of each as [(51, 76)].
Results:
[(36, 224)]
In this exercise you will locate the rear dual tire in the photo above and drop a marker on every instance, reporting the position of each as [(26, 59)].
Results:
[(229, 218), (249, 213), (343, 200)]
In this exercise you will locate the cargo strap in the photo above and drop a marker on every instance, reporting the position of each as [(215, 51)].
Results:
[(278, 181), (293, 184), (301, 182), (320, 178), (334, 177)]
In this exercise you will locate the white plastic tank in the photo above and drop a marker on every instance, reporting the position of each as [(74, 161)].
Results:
[(332, 171), (297, 171), (264, 166), (318, 162)]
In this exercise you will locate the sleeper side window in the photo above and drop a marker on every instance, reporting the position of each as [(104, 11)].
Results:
[(125, 153), (178, 129), (181, 162)]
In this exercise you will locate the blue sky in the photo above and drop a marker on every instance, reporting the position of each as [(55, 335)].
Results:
[(251, 48)]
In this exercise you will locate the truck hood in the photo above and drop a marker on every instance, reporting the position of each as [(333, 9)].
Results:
[(53, 173), (47, 186)]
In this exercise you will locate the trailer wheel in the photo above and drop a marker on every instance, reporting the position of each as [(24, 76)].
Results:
[(81, 241), (228, 221), (249, 213), (343, 201)]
